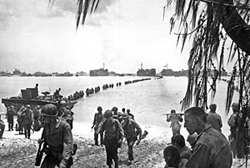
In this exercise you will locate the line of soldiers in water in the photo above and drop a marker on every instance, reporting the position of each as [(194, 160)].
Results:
[(79, 94)]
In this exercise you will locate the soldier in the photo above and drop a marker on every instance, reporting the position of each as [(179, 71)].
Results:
[(172, 157), (36, 112), (97, 120), (130, 114), (179, 142), (175, 119), (27, 120), (112, 128), (2, 126), (233, 122), (131, 131), (36, 116), (213, 118), (10, 117), (57, 138), (67, 115), (211, 148), (20, 119)]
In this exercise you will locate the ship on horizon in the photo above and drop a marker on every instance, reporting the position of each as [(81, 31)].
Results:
[(146, 72), (99, 72)]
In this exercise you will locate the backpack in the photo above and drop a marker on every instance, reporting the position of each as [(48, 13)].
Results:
[(118, 134)]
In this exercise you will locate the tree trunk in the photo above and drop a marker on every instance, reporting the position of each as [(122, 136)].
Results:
[(236, 27)]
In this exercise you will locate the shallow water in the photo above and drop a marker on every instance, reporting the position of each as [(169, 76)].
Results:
[(147, 100)]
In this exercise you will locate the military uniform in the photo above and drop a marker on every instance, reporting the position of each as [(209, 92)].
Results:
[(27, 120), (215, 120), (59, 145), (2, 126), (211, 150), (111, 127), (131, 131), (175, 125), (97, 120), (58, 139), (10, 117)]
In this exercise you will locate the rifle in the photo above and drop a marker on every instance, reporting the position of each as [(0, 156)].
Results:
[(145, 133), (40, 151), (167, 114), (39, 154)]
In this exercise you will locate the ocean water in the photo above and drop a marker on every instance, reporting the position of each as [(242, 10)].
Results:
[(148, 100)]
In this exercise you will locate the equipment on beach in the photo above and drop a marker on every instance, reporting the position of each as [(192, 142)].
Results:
[(143, 136)]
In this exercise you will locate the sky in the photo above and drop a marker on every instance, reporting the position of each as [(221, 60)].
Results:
[(120, 36)]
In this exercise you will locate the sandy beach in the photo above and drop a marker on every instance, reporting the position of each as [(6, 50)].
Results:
[(16, 151)]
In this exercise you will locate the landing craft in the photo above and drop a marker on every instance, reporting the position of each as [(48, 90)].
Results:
[(30, 96)]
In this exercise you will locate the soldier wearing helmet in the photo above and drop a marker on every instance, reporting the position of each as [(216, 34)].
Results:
[(131, 131), (113, 136), (11, 112), (27, 120), (98, 117), (57, 138)]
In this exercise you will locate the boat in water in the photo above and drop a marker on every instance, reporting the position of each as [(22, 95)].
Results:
[(99, 72), (30, 96), (146, 72)]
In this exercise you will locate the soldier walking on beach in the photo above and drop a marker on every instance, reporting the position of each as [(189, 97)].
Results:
[(211, 147), (57, 138), (98, 117), (175, 119), (131, 131), (112, 128), (27, 120), (116, 114), (10, 116), (20, 119), (213, 118)]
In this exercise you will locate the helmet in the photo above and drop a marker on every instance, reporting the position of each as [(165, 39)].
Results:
[(115, 109), (173, 111), (99, 108), (27, 106), (49, 110), (235, 106), (108, 113)]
